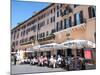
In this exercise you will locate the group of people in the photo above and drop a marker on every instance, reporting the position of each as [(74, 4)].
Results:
[(68, 63), (52, 61)]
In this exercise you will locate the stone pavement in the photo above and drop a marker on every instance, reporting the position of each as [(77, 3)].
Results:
[(22, 69)]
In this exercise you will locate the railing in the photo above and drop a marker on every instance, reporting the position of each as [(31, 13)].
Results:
[(66, 13), (51, 36), (28, 42)]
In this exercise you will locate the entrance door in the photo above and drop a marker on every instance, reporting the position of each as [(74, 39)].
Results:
[(69, 52)]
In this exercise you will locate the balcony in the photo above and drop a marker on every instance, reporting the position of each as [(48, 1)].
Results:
[(28, 42), (51, 36), (66, 11)]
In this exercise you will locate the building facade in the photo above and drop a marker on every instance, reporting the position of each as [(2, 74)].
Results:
[(55, 24)]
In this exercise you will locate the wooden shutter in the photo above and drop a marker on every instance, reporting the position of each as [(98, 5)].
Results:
[(74, 19), (89, 12), (81, 16)]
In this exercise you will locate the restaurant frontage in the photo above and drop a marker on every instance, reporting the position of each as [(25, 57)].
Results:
[(77, 41)]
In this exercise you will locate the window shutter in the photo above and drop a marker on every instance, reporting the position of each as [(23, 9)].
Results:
[(81, 16), (70, 21), (89, 12), (65, 24), (74, 19), (93, 11)]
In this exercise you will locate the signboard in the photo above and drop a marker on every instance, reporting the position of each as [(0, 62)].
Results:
[(87, 54)]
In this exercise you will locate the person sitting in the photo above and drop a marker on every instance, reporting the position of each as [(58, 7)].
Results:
[(41, 61), (52, 62), (34, 61), (59, 59), (45, 61)]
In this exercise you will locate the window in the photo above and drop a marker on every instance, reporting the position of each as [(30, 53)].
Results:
[(24, 33), (61, 5), (14, 36), (18, 35), (61, 24), (57, 13), (53, 18), (57, 7), (47, 21), (54, 9), (43, 34), (16, 43), (78, 18), (64, 12), (51, 11), (67, 23), (33, 28), (60, 12), (47, 33), (21, 33), (92, 11)]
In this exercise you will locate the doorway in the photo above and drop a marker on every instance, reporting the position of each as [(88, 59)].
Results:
[(69, 52)]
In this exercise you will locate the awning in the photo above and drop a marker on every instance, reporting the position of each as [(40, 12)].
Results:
[(79, 44), (48, 47), (36, 48), (51, 46), (25, 46)]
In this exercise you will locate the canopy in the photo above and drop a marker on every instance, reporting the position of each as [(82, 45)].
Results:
[(78, 44), (51, 46), (48, 47), (36, 48)]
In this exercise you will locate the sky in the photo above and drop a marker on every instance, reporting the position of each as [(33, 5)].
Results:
[(22, 10)]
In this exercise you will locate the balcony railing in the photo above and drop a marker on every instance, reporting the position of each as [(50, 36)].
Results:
[(66, 11), (51, 36), (28, 42)]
